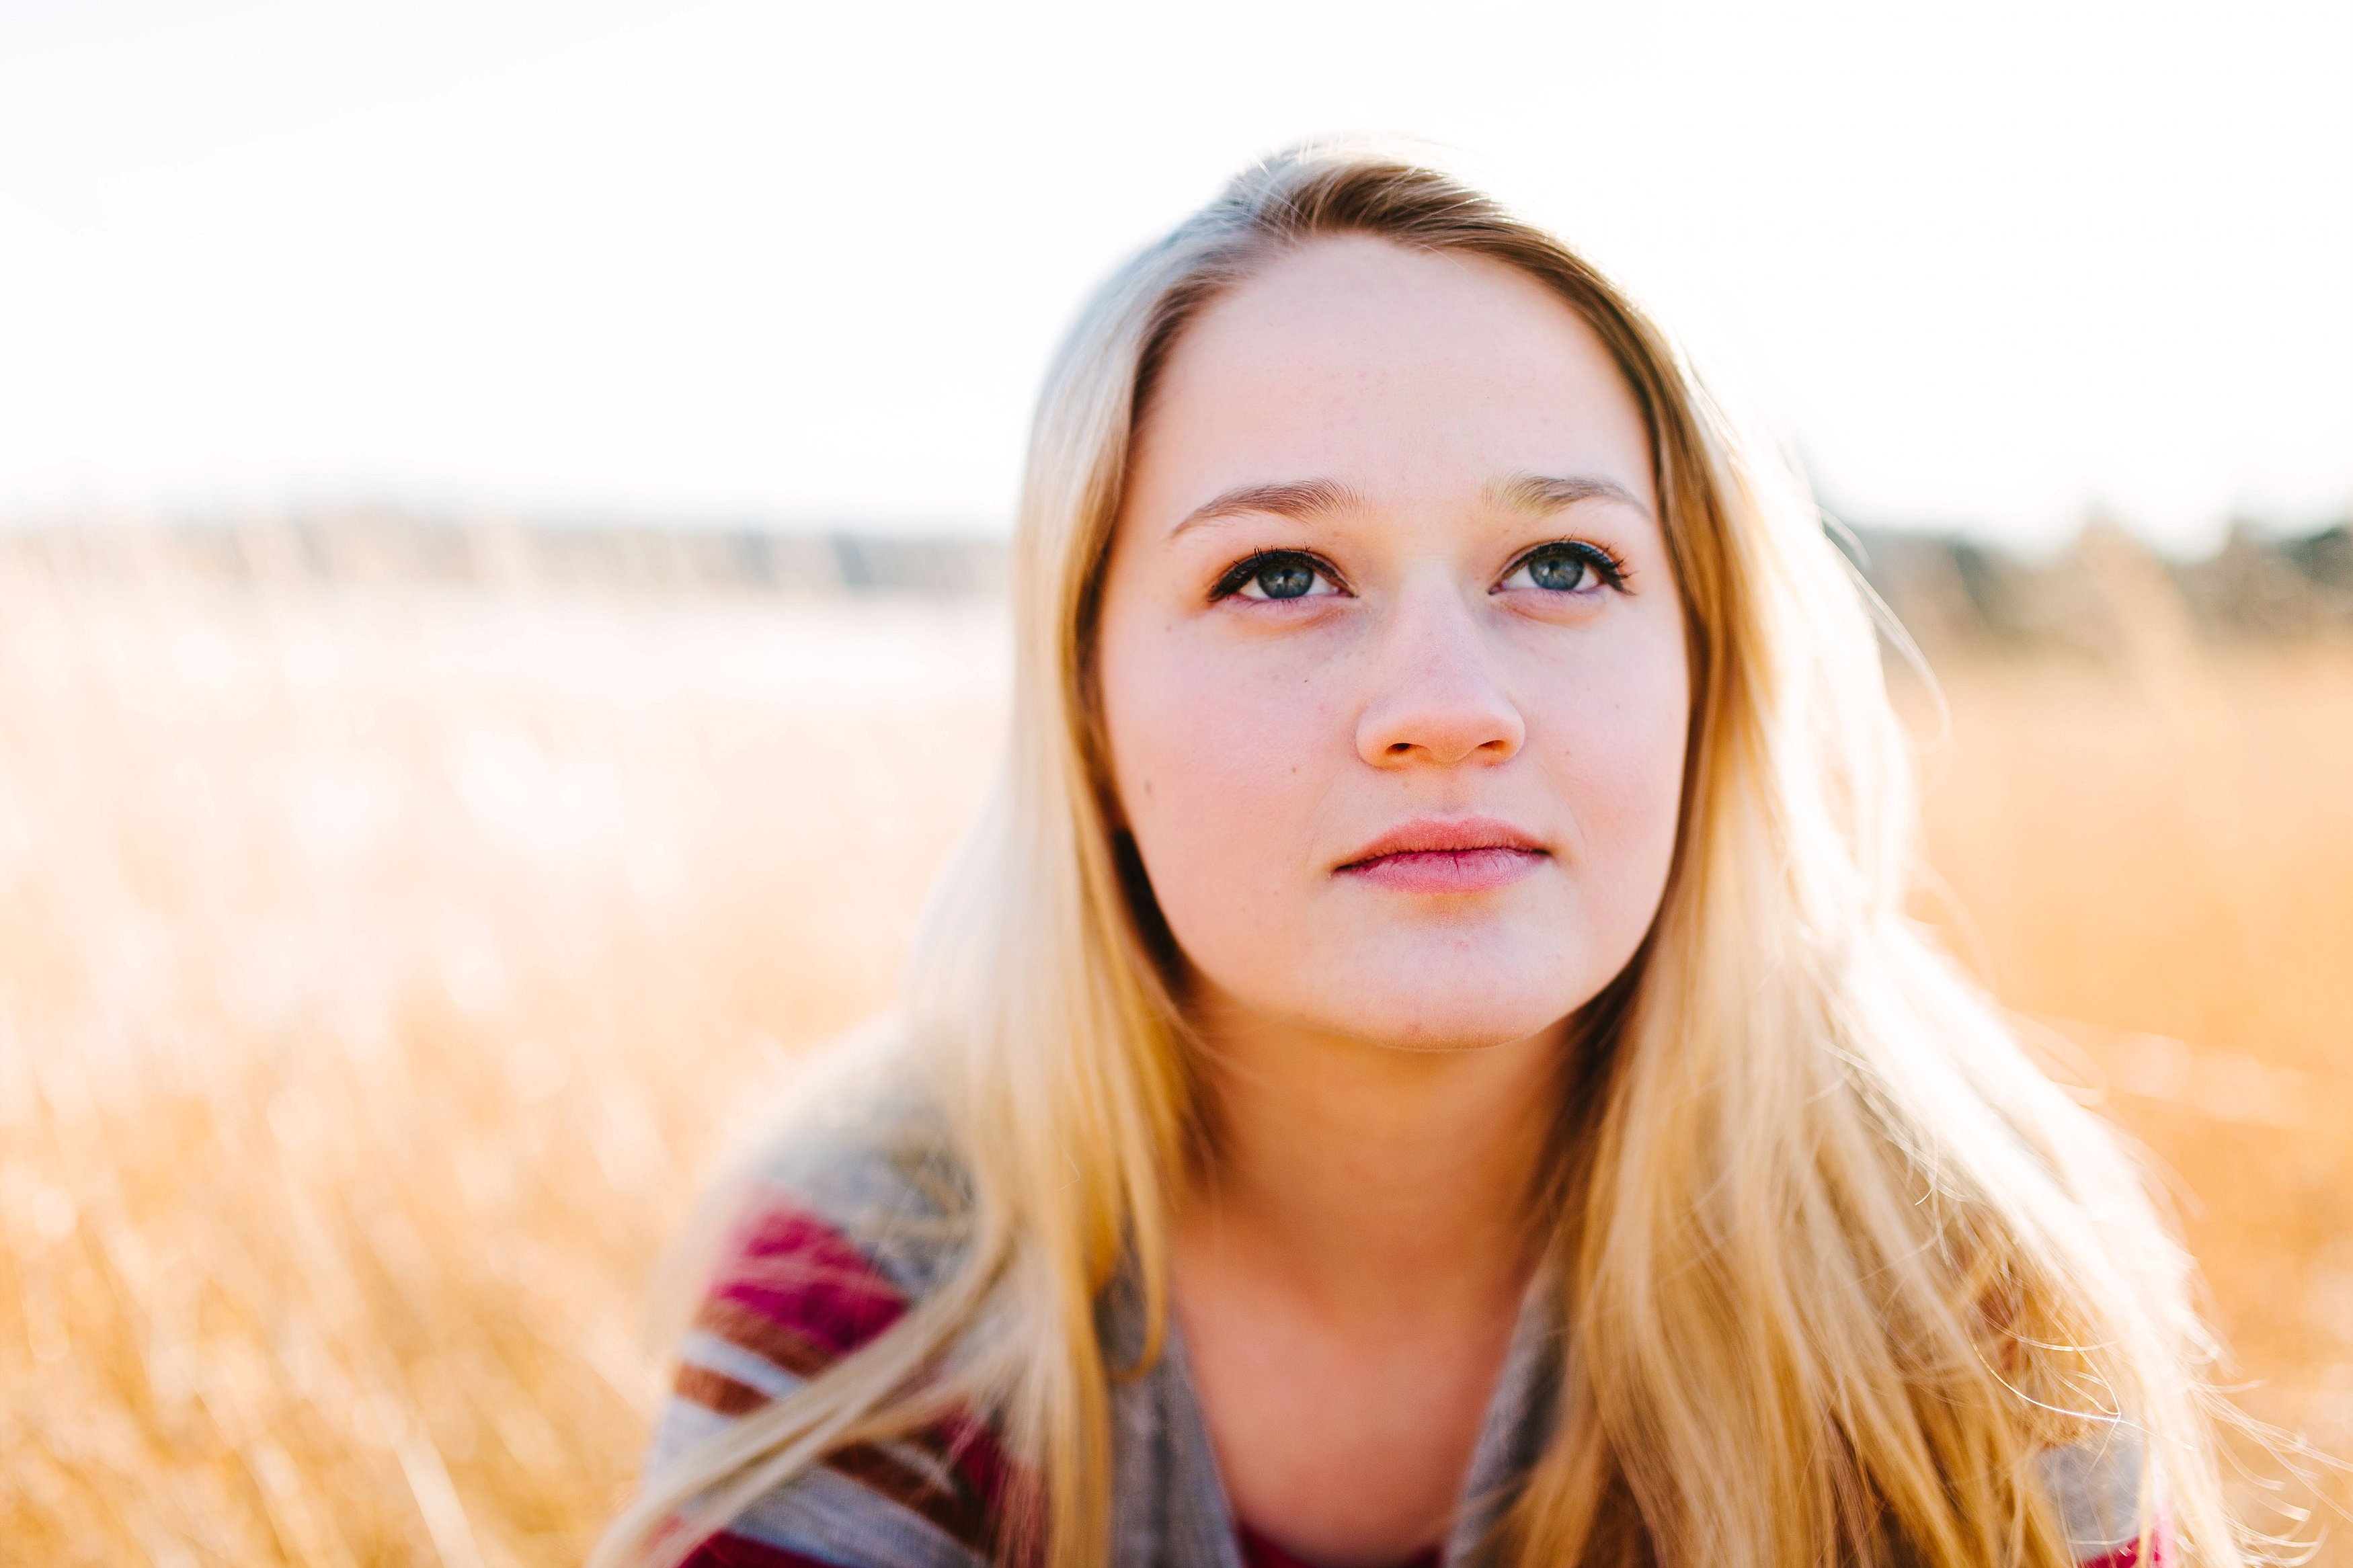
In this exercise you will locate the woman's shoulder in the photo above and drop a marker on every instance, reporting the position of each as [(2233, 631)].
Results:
[(830, 1242), (880, 1178)]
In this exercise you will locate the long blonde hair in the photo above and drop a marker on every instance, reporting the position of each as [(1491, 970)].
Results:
[(1836, 1263)]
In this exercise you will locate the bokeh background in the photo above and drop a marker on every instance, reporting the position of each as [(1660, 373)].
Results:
[(502, 519)]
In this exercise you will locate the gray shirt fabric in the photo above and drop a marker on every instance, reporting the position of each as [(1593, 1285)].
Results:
[(1170, 1503)]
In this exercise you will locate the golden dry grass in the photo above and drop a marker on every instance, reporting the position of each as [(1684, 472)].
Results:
[(379, 973), (2151, 861)]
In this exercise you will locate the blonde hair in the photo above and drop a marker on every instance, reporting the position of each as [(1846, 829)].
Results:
[(1836, 1263)]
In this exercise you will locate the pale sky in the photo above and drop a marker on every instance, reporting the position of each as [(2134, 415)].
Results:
[(1989, 266)]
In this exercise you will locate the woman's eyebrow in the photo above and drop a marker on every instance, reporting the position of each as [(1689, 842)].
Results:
[(1301, 499), (1544, 493)]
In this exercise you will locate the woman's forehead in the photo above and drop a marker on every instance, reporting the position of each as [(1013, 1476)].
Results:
[(1362, 360)]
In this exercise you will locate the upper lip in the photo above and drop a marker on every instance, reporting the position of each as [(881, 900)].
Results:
[(1431, 834)]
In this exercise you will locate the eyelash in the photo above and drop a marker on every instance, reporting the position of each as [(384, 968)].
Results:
[(1239, 575), (1606, 564)]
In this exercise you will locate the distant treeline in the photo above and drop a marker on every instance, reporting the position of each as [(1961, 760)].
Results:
[(1947, 589), (350, 547)]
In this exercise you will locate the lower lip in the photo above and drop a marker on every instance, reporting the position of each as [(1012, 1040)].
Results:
[(1447, 870)]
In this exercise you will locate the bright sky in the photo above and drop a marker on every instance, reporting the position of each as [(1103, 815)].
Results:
[(1990, 265)]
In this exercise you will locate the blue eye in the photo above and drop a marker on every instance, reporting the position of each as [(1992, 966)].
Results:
[(1568, 567), (1281, 580), (1276, 574)]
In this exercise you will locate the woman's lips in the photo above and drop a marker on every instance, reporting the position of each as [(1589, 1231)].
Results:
[(1446, 870), (1431, 855)]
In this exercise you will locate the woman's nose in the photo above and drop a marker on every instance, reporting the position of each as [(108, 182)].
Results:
[(1435, 698)]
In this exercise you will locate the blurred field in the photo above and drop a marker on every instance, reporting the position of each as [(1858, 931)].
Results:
[(381, 967)]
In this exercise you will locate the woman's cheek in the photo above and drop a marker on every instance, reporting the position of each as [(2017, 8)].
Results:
[(1623, 773), (1219, 779)]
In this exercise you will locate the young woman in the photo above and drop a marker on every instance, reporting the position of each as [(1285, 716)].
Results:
[(1424, 1060)]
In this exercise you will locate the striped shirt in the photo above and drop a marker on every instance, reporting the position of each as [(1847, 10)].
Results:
[(830, 1260)]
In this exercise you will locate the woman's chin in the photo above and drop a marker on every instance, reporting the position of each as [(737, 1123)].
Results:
[(1469, 1021), (1458, 995), (1416, 991)]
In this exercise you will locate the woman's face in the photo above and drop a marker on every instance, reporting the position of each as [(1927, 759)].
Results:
[(1391, 657)]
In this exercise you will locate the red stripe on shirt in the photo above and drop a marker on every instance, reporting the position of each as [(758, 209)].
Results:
[(794, 1270), (726, 1551)]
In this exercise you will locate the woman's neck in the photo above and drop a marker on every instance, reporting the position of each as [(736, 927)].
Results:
[(1349, 1262), (1376, 1182)]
